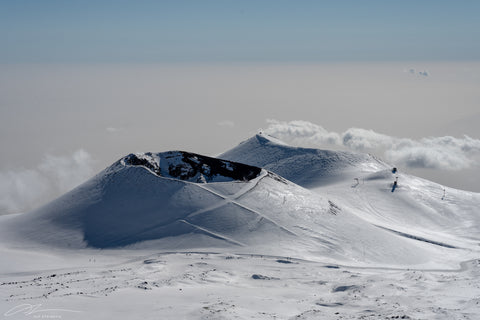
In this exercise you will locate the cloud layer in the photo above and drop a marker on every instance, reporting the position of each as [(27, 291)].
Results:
[(445, 153), (24, 189)]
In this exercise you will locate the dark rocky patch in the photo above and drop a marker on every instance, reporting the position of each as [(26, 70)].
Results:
[(134, 160), (334, 304), (261, 277), (344, 288), (284, 261), (334, 209), (194, 167)]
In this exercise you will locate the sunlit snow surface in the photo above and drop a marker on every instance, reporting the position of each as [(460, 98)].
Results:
[(313, 235)]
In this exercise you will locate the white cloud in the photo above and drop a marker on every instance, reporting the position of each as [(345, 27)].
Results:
[(446, 153), (23, 189), (437, 152), (226, 123), (362, 139), (302, 133)]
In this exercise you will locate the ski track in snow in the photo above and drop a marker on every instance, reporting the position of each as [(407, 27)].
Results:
[(214, 234), (233, 199)]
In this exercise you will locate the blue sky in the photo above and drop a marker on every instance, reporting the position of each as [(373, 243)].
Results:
[(236, 31)]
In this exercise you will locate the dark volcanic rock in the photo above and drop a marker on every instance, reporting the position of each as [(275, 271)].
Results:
[(192, 167)]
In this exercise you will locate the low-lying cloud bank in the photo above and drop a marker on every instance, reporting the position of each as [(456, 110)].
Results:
[(445, 153), (24, 189)]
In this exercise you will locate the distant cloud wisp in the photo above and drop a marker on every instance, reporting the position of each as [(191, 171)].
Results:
[(23, 189), (445, 153), (226, 124)]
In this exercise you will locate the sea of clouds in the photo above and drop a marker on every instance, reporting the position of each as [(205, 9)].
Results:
[(444, 153)]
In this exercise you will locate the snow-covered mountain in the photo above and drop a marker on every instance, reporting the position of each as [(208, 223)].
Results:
[(179, 200), (265, 230), (148, 197)]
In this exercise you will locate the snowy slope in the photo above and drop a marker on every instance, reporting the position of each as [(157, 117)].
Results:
[(417, 209), (305, 166)]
